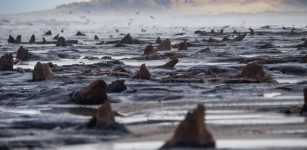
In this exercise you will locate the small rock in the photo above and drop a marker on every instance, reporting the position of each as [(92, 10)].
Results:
[(95, 72), (222, 31), (127, 40), (225, 39), (32, 39), (122, 72), (150, 53), (41, 72), (192, 132), (171, 64), (120, 69), (266, 27), (90, 58), (18, 39), (51, 65), (79, 33), (22, 54), (285, 28), (158, 41), (63, 56), (252, 32), (205, 50), (6, 62), (101, 43), (11, 39), (106, 57), (173, 55), (212, 40), (96, 37), (44, 40), (164, 45), (150, 50), (267, 46), (255, 72), (104, 118), (56, 37), (199, 32), (61, 42), (95, 93), (120, 45), (117, 86), (48, 33), (240, 37), (183, 46), (292, 31), (143, 73)]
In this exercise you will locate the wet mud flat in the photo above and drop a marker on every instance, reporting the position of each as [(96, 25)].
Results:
[(241, 113)]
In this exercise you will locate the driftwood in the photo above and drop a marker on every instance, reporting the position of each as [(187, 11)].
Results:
[(171, 64), (164, 45), (143, 73), (95, 93), (256, 72), (192, 132), (41, 72), (22, 54), (6, 62)]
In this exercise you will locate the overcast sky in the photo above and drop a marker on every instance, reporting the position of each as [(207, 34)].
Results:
[(17, 6)]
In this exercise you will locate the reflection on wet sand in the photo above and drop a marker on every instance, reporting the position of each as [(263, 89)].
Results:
[(249, 82)]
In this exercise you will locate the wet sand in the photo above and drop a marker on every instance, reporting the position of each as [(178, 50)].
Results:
[(240, 116)]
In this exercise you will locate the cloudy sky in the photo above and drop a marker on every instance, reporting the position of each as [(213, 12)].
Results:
[(219, 6)]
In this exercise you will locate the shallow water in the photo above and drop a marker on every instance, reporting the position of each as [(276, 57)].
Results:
[(241, 116), (221, 144)]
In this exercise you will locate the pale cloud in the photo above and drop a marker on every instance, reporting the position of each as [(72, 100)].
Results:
[(240, 5), (216, 5)]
